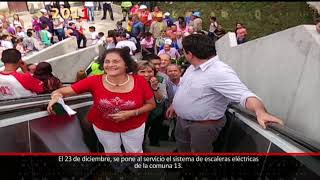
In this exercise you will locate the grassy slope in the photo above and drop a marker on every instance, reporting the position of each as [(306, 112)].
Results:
[(260, 18)]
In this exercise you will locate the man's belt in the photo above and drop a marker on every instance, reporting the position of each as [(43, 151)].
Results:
[(210, 121)]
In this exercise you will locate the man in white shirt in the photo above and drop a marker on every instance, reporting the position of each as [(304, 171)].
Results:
[(204, 92), (125, 42)]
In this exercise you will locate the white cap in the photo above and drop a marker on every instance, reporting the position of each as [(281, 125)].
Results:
[(168, 41), (43, 10), (167, 14), (143, 6)]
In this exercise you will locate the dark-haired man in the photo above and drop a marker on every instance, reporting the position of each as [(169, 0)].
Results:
[(14, 84), (204, 92)]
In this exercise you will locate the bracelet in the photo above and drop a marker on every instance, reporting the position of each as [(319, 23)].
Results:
[(137, 112)]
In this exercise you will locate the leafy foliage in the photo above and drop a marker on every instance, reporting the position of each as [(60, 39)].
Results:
[(260, 18)]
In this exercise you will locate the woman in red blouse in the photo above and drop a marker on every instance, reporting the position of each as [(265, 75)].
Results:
[(121, 102)]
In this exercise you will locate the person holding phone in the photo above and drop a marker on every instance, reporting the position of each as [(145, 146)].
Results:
[(121, 102), (154, 123)]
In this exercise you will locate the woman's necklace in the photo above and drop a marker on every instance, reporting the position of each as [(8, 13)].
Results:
[(113, 84)]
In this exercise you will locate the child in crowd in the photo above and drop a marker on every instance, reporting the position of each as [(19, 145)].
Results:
[(36, 25), (111, 39), (45, 35), (79, 25), (147, 44), (19, 46), (130, 22), (20, 33), (102, 40), (93, 37), (6, 41), (119, 28), (31, 43)]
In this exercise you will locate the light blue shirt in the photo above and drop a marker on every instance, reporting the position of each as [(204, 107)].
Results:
[(205, 91)]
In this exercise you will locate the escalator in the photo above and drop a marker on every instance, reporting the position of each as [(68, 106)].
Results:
[(26, 127)]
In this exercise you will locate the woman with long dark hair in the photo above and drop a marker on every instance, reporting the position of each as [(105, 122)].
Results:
[(43, 72)]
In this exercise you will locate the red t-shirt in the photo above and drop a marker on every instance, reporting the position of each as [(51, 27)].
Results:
[(106, 102)]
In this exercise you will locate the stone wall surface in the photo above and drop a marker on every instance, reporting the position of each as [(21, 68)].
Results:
[(284, 70)]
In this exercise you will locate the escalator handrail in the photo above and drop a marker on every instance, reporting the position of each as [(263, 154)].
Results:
[(33, 104), (283, 130)]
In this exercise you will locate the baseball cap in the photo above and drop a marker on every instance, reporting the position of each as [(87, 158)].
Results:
[(167, 14), (196, 14), (168, 41), (43, 10), (143, 6)]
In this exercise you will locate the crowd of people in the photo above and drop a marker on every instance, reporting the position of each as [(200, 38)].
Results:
[(134, 97)]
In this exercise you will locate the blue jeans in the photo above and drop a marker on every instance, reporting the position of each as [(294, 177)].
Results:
[(91, 13), (60, 34)]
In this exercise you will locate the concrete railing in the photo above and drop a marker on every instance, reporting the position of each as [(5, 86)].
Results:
[(63, 47), (67, 65), (282, 69)]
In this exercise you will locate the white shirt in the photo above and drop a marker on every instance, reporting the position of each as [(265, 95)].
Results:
[(204, 92), (127, 43), (89, 4), (7, 44), (58, 22), (21, 34), (12, 88)]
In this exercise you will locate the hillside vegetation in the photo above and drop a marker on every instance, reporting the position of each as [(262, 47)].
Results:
[(260, 18)]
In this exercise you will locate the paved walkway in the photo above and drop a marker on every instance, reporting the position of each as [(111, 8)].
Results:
[(101, 25)]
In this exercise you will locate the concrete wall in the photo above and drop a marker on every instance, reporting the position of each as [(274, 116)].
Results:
[(35, 5), (282, 69), (63, 47), (3, 5), (65, 67)]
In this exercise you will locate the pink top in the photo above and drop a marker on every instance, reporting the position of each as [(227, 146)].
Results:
[(184, 30), (147, 44)]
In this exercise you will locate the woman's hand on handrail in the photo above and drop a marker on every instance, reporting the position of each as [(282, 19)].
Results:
[(59, 93)]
